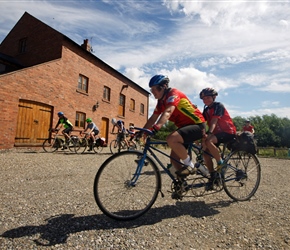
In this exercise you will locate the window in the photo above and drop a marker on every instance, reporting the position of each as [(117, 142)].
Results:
[(22, 45), (132, 104), (80, 120), (142, 108), (121, 105), (83, 83), (107, 93)]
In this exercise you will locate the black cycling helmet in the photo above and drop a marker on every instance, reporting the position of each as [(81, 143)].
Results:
[(158, 80), (207, 92)]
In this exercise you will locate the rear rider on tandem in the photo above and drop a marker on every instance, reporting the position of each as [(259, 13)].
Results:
[(221, 129)]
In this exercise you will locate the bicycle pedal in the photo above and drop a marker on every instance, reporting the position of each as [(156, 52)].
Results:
[(176, 196)]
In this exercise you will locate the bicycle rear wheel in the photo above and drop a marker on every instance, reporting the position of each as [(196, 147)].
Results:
[(123, 188), (242, 176), (74, 144), (97, 148), (83, 144), (51, 145)]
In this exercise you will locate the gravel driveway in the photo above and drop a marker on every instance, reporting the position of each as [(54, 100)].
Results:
[(47, 202)]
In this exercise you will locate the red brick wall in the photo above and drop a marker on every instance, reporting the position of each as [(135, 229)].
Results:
[(43, 42), (55, 83)]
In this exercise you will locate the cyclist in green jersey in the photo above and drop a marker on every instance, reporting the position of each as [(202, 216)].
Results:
[(68, 127)]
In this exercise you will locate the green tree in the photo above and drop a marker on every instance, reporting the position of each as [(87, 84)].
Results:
[(165, 130), (270, 130)]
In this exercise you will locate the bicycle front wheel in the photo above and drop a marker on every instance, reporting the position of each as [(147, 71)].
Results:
[(242, 175), (51, 145), (114, 146), (123, 188), (74, 144), (81, 146)]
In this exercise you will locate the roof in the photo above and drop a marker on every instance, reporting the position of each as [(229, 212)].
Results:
[(10, 60)]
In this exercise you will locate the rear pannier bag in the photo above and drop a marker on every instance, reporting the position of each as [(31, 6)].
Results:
[(244, 142)]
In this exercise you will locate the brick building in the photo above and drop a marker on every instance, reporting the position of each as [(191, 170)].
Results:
[(43, 72)]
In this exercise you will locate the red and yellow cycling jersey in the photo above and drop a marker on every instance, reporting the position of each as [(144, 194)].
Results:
[(185, 113)]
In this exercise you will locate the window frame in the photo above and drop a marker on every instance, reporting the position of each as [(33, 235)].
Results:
[(122, 104), (132, 104), (83, 87), (80, 123), (142, 109), (107, 94), (22, 45)]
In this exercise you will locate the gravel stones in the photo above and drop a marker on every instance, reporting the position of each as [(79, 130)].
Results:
[(47, 200)]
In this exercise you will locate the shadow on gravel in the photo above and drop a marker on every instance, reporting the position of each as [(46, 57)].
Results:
[(58, 228)]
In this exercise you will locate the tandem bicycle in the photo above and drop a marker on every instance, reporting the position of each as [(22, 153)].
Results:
[(127, 184)]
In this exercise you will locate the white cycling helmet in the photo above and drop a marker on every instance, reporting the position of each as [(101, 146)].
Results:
[(114, 121)]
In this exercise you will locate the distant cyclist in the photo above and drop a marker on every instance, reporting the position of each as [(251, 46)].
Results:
[(68, 127), (121, 130), (248, 127), (131, 132), (91, 130)]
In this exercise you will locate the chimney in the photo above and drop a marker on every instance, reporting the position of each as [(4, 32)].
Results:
[(86, 45)]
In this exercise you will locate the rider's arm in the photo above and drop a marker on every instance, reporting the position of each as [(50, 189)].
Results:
[(57, 124), (151, 121), (212, 125), (164, 117), (113, 129)]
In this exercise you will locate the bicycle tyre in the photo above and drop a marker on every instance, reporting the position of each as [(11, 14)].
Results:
[(83, 143), (74, 144), (116, 147), (51, 145), (242, 175), (97, 148), (123, 146), (116, 195)]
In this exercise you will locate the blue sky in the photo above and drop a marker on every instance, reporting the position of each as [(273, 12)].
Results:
[(241, 48)]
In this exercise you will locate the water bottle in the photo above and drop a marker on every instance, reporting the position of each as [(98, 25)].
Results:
[(203, 169), (171, 169)]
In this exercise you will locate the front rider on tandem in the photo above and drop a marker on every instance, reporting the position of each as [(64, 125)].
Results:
[(173, 105)]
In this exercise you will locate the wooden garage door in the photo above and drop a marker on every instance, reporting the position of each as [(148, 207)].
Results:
[(104, 128), (34, 120)]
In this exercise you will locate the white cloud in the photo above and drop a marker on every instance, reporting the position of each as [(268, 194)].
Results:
[(227, 45), (269, 104), (280, 112), (277, 87)]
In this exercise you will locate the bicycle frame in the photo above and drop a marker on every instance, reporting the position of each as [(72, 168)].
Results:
[(149, 147)]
